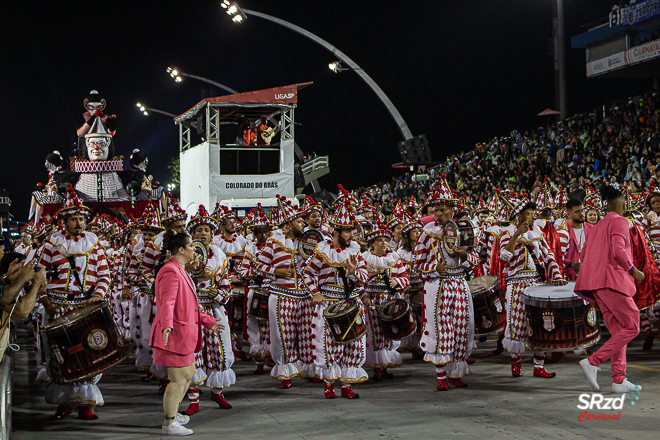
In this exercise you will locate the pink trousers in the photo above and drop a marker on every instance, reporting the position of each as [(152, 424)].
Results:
[(622, 319)]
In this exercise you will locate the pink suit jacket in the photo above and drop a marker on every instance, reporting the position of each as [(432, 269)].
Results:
[(606, 258), (177, 308), (572, 255)]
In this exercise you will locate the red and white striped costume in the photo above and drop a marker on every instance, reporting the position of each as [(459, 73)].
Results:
[(141, 306), (520, 273), (334, 361), (448, 331), (289, 309), (379, 349), (66, 293), (234, 249), (415, 296), (258, 329), (213, 363)]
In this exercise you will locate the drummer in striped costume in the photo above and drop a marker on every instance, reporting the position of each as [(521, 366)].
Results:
[(83, 279), (258, 329), (387, 279), (174, 218), (143, 300), (233, 245), (314, 217), (289, 306), (412, 227), (334, 273), (448, 327), (652, 314), (528, 258), (213, 364)]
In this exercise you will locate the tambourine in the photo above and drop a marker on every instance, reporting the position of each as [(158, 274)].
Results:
[(308, 241), (459, 233), (202, 257)]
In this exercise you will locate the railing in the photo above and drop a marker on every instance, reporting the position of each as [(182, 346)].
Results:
[(315, 164), (6, 385)]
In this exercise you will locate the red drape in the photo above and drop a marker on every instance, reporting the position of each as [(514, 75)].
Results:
[(552, 238), (648, 291)]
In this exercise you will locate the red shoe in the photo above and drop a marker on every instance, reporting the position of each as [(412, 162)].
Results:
[(329, 391), (220, 400), (315, 380), (260, 369), (349, 393), (470, 361), (162, 385), (61, 412), (442, 385), (458, 383), (192, 409), (540, 371), (86, 414), (149, 377), (285, 384), (516, 367)]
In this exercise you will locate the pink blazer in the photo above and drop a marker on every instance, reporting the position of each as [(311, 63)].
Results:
[(177, 308), (607, 258), (571, 255)]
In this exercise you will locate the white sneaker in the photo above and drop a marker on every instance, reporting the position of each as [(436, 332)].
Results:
[(183, 419), (591, 372), (625, 387), (175, 428)]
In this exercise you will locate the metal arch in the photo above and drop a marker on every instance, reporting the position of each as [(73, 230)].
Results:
[(217, 84), (403, 127)]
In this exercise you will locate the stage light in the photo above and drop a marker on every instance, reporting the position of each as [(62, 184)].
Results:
[(232, 10), (237, 19), (146, 113), (236, 13), (178, 79), (139, 105)]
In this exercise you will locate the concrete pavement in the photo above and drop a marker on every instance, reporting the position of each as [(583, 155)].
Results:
[(494, 406)]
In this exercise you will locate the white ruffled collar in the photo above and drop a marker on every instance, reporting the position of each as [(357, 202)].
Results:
[(73, 246), (336, 256), (383, 262), (230, 247), (528, 237), (279, 237)]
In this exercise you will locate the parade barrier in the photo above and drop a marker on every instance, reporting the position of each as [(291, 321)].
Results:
[(6, 386)]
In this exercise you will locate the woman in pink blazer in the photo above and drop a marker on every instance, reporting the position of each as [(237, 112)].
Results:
[(608, 276), (177, 329)]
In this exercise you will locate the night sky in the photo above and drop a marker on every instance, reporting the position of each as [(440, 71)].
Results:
[(460, 72)]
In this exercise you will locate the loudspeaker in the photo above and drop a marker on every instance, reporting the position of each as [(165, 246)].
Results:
[(415, 151)]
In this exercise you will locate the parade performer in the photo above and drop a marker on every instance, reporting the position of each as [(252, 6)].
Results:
[(545, 205), (334, 273), (258, 329), (289, 305), (448, 331), (412, 227), (173, 218), (608, 277), (214, 361), (652, 220), (233, 245), (528, 258), (387, 279), (314, 217), (83, 279), (573, 237)]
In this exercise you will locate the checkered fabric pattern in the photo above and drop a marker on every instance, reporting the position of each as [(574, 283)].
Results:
[(445, 331), (151, 218), (522, 262), (481, 207), (592, 199), (344, 215), (310, 205), (98, 166), (216, 353), (287, 210), (290, 329), (172, 212), (259, 219), (560, 198), (545, 200), (442, 193), (72, 204), (379, 230), (515, 333), (112, 189), (411, 221), (375, 336)]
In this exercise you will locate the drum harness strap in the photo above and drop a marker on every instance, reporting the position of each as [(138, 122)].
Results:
[(72, 267), (348, 285), (539, 267), (386, 278)]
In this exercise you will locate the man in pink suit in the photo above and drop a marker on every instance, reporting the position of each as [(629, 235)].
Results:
[(177, 328), (608, 276)]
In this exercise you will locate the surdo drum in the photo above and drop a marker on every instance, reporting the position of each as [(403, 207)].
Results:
[(460, 233), (345, 321), (258, 306), (83, 343), (558, 319), (397, 318), (488, 300)]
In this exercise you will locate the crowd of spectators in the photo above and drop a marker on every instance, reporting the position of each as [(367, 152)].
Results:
[(615, 144)]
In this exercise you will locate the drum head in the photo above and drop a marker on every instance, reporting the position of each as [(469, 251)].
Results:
[(451, 235), (202, 258), (308, 241), (545, 294), (483, 284), (393, 309), (76, 314), (340, 308)]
